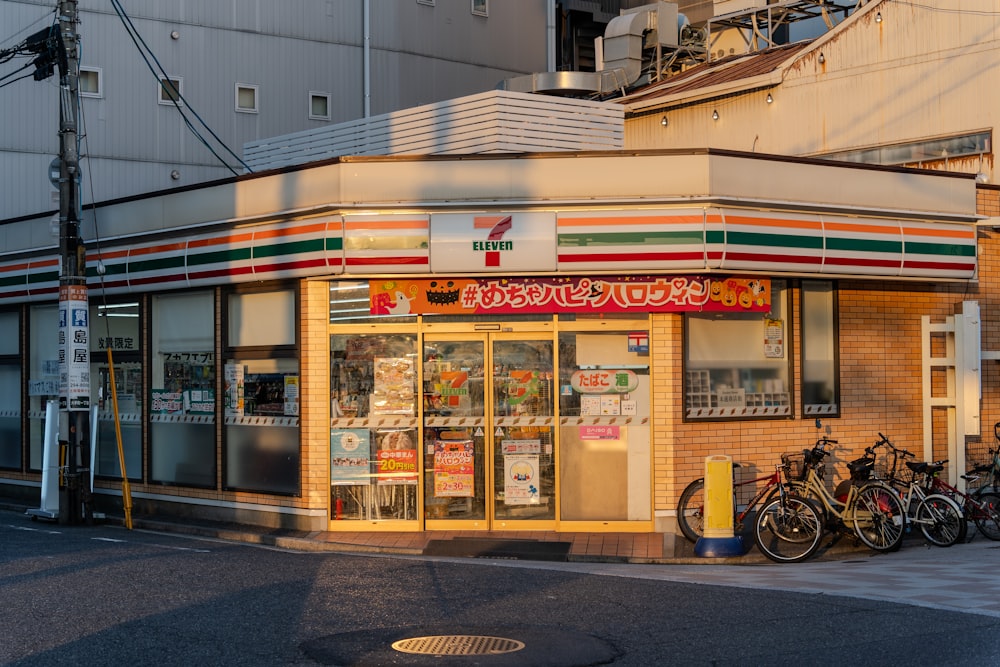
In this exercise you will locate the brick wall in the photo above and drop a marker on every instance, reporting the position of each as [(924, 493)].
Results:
[(880, 379)]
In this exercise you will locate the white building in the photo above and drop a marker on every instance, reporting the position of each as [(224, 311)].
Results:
[(251, 69)]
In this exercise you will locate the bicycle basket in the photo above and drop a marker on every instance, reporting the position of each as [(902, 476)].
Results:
[(861, 469), (794, 466)]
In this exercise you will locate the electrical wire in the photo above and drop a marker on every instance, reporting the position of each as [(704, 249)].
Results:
[(24, 76), (176, 98), (28, 27)]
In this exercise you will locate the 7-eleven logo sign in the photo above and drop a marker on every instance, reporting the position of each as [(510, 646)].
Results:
[(494, 243)]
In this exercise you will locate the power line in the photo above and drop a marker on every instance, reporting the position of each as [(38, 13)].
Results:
[(175, 95)]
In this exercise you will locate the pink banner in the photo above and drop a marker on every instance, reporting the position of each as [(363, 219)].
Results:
[(476, 296)]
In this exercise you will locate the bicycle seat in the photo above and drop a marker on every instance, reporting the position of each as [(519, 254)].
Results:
[(928, 468)]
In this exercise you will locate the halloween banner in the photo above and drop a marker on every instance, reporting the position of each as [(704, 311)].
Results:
[(650, 294)]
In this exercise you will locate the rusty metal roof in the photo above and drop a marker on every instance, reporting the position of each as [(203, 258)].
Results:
[(716, 72)]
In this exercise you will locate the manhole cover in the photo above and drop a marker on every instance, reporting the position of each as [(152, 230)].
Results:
[(458, 645)]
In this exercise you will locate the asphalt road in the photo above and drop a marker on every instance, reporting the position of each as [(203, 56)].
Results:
[(106, 596)]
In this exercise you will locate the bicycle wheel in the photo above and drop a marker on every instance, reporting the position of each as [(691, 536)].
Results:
[(878, 517), (691, 510), (987, 515), (788, 530), (940, 520)]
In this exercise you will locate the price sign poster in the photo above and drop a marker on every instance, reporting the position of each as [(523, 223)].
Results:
[(454, 468), (397, 458)]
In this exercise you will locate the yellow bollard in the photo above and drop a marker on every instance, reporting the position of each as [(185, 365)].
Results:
[(718, 539)]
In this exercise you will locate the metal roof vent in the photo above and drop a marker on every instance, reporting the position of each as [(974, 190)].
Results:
[(635, 31)]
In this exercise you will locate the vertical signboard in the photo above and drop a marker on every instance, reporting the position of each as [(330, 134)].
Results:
[(74, 348)]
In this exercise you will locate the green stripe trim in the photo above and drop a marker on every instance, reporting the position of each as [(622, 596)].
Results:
[(220, 257), (774, 240), (863, 245), (292, 248), (43, 277), (157, 264), (949, 249)]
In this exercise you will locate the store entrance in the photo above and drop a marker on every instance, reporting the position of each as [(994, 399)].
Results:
[(489, 431)]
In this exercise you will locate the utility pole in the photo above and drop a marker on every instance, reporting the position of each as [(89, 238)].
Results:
[(74, 309)]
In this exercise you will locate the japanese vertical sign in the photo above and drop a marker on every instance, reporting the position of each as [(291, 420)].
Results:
[(74, 348)]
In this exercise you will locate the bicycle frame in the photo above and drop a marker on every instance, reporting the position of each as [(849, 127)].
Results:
[(774, 479)]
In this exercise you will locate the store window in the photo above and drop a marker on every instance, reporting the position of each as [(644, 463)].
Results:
[(115, 328), (373, 428), (182, 405), (261, 393), (604, 400), (737, 364), (350, 303), (820, 343), (43, 375), (10, 390)]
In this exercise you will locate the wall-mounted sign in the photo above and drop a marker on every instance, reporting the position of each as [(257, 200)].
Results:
[(493, 242), (604, 381), (650, 294), (600, 432)]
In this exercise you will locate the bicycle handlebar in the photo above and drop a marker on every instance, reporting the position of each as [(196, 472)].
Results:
[(885, 441)]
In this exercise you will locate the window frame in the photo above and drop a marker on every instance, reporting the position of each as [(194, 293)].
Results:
[(178, 83), (835, 334), (480, 7), (99, 72), (788, 315), (256, 98), (313, 94)]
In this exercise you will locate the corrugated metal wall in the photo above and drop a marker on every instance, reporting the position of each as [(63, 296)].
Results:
[(420, 54), (915, 74)]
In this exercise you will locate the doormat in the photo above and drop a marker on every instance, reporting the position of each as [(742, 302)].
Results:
[(477, 547)]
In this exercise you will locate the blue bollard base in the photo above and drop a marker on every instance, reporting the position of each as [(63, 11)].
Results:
[(718, 547)]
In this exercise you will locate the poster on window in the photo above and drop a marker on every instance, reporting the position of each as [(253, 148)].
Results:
[(774, 334), (521, 479), (397, 458), (234, 388), (291, 395), (393, 386), (454, 469), (350, 453)]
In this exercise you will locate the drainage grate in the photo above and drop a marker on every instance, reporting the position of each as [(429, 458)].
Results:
[(458, 645)]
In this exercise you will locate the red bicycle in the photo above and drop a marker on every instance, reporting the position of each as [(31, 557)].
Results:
[(691, 506)]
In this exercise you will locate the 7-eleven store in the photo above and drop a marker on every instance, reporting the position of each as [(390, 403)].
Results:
[(540, 342)]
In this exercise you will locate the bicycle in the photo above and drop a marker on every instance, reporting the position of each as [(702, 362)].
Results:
[(871, 510), (989, 473), (940, 518), (691, 504), (981, 506), (788, 528)]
